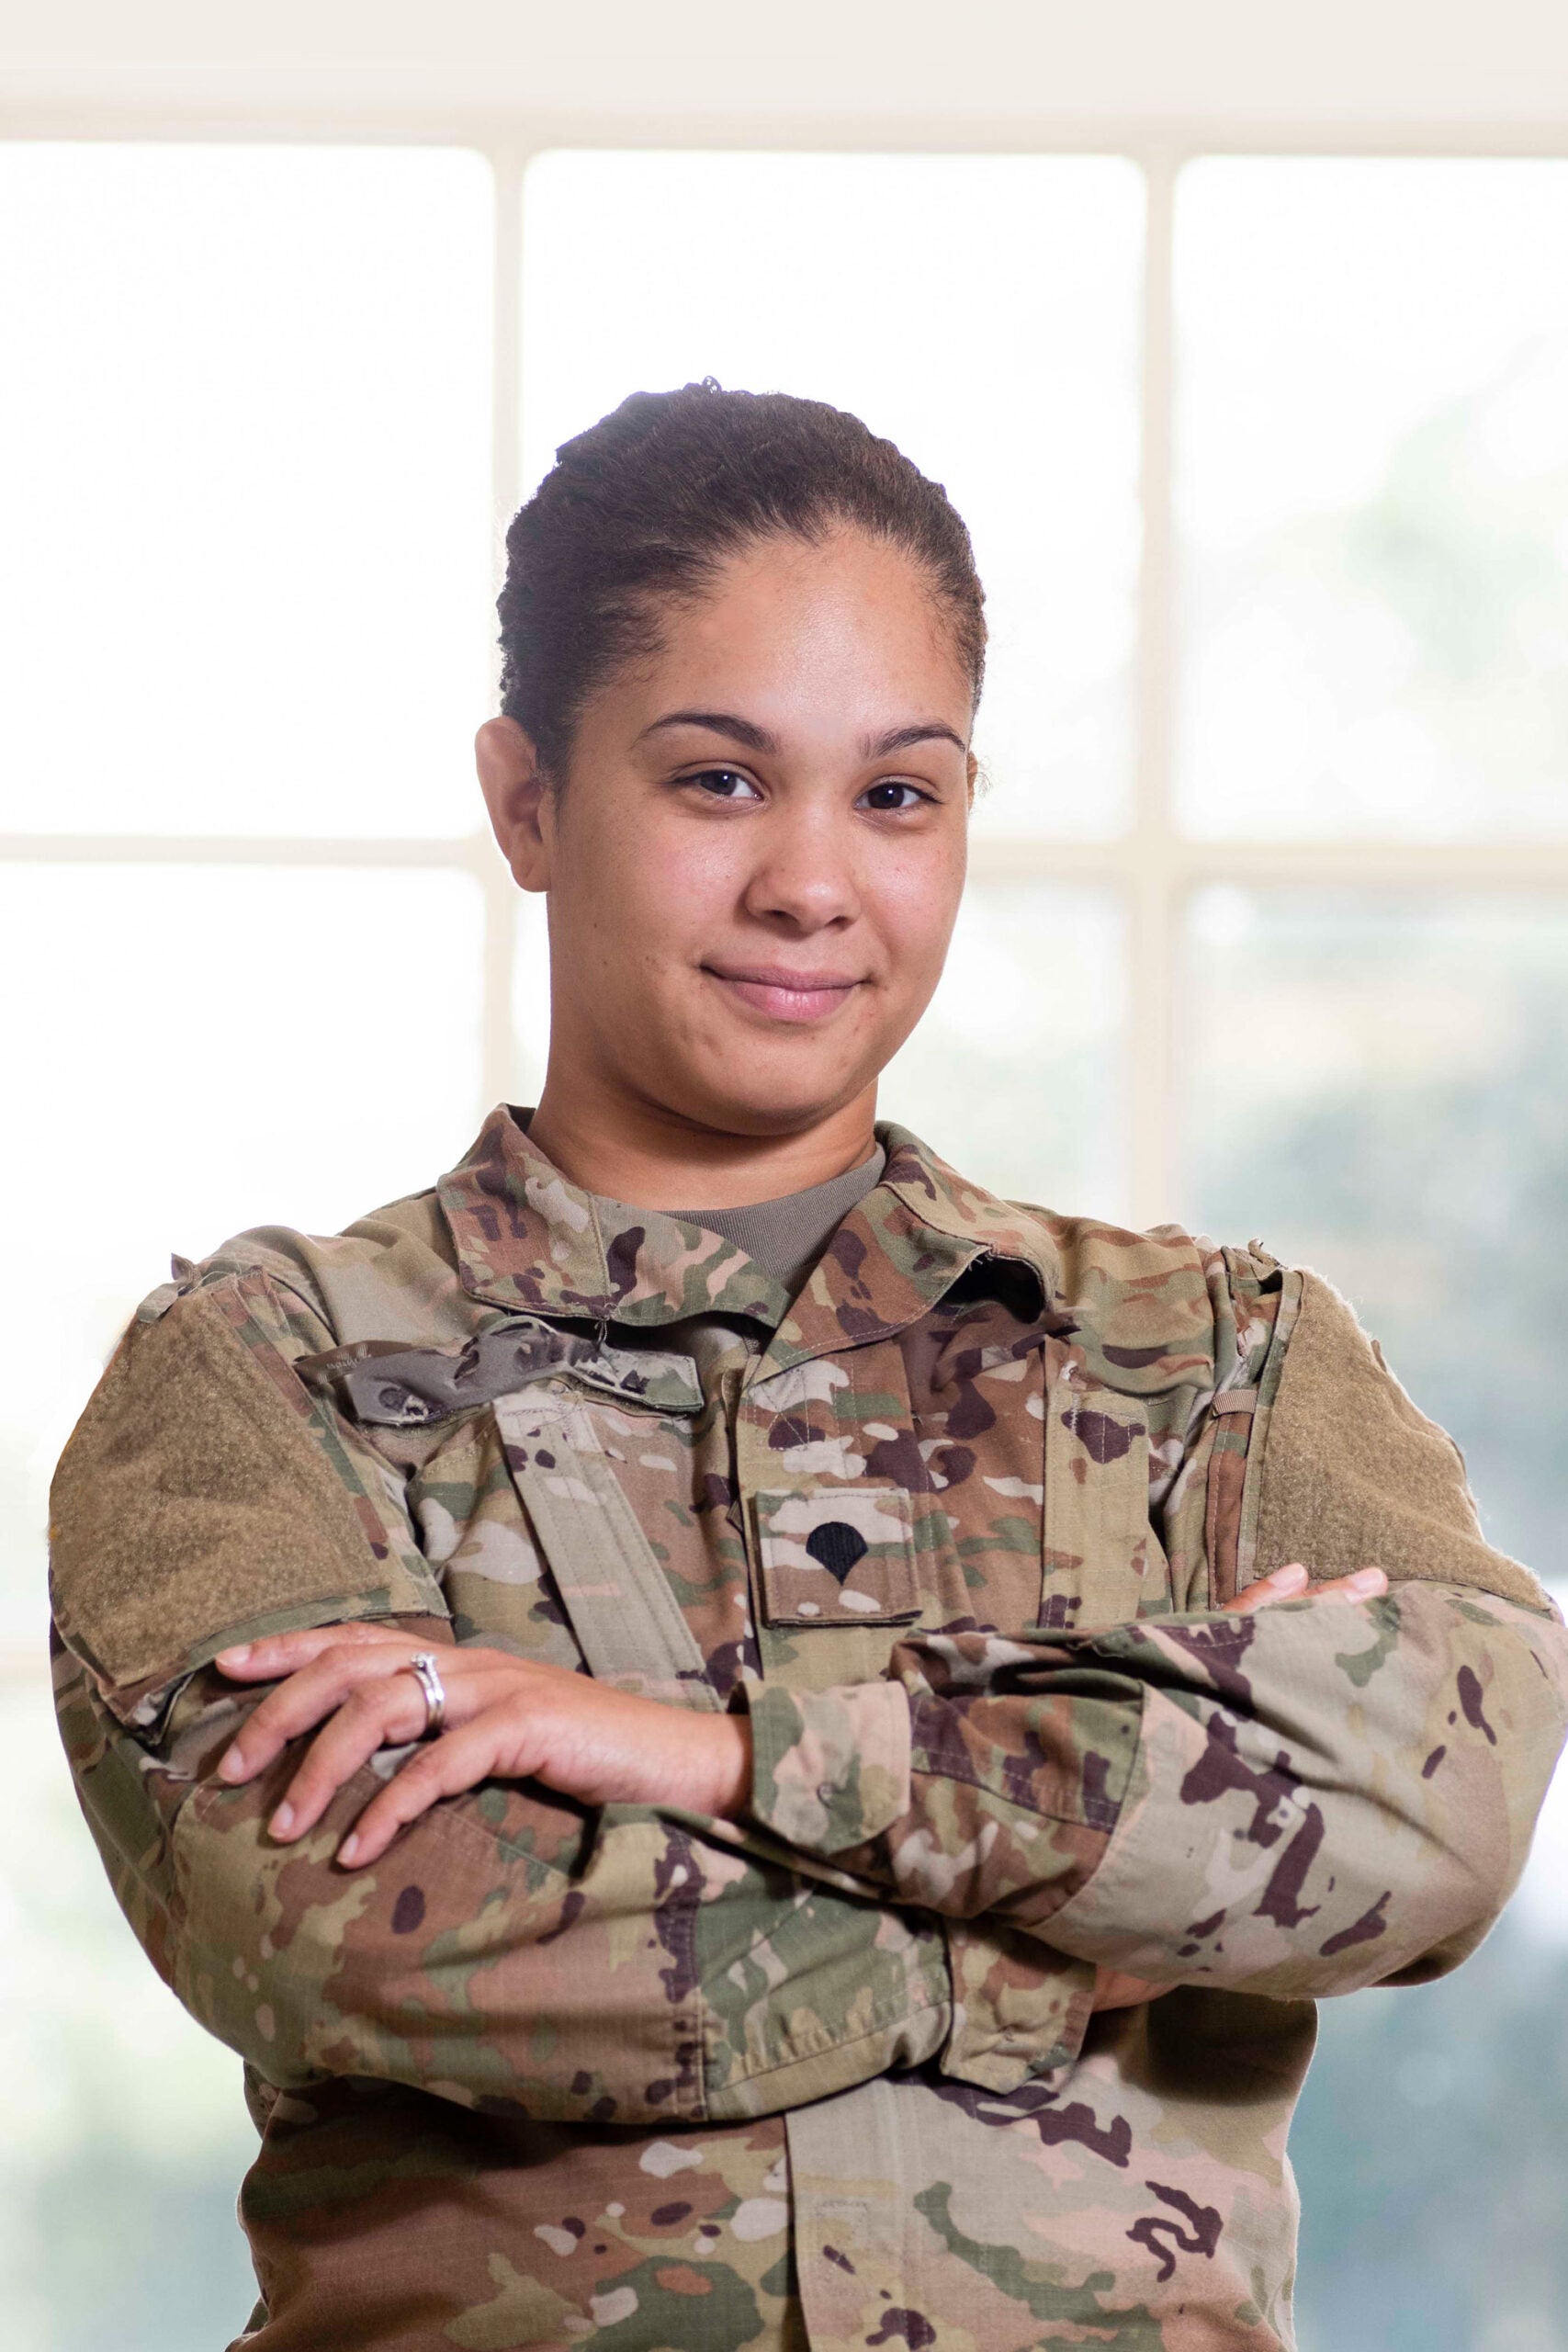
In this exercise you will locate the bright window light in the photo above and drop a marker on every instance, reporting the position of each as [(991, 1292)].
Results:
[(244, 469), (1372, 429)]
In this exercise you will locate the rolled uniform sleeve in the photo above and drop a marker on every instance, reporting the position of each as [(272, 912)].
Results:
[(513, 1950), (1294, 1803)]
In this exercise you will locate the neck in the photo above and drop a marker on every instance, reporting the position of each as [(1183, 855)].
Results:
[(653, 1158)]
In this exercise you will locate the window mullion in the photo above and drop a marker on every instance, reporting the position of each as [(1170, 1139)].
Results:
[(499, 1048), (1152, 879)]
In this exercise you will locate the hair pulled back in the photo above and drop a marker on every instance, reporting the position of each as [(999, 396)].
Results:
[(639, 510)]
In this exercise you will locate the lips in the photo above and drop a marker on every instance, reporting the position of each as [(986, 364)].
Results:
[(785, 995)]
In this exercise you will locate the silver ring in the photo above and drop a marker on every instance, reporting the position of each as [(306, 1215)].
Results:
[(424, 1668)]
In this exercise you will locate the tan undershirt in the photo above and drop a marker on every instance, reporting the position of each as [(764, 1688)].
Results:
[(786, 1237)]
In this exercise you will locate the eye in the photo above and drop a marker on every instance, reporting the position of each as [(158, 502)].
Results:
[(723, 784), (895, 796)]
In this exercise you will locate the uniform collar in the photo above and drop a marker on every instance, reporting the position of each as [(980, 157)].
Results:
[(527, 1239)]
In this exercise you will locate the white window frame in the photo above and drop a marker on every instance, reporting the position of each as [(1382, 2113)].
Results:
[(1153, 868)]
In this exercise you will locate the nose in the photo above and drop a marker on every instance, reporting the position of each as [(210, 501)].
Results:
[(804, 879)]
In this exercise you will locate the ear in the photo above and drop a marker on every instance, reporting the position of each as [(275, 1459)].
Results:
[(518, 797)]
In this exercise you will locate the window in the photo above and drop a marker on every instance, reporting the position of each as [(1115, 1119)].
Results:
[(1266, 465)]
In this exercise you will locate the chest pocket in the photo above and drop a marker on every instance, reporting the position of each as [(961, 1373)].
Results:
[(1103, 1562), (843, 1555)]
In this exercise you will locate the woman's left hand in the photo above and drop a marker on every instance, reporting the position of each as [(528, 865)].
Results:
[(507, 1718)]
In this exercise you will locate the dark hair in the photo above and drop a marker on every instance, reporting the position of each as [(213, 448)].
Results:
[(641, 509)]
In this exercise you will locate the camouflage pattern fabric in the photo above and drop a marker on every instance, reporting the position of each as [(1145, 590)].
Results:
[(632, 2078)]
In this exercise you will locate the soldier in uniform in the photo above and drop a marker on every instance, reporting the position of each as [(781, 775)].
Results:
[(752, 1745)]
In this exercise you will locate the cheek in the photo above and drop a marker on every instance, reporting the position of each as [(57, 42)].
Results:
[(914, 906), (691, 871), (651, 894)]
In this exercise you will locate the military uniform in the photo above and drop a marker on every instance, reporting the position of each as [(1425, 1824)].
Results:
[(952, 1521)]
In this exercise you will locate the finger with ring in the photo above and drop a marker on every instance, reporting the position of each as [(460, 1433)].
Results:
[(424, 1666), (343, 1675)]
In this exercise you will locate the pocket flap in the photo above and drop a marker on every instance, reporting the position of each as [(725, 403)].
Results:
[(1103, 1562), (837, 1555)]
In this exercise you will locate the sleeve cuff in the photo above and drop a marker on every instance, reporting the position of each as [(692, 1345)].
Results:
[(830, 1768)]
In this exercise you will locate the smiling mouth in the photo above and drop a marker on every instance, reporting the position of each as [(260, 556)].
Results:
[(784, 995)]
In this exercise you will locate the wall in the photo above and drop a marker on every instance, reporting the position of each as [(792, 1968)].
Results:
[(1242, 67)]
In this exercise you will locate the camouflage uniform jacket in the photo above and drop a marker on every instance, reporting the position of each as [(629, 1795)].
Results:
[(953, 1524)]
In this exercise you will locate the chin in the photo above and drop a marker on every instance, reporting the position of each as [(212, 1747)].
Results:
[(744, 1102)]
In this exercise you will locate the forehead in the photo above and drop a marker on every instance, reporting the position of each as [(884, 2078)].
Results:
[(844, 631)]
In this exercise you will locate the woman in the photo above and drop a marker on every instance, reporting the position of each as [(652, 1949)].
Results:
[(745, 1737)]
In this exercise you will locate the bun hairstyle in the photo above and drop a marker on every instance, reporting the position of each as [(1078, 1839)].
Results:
[(639, 513)]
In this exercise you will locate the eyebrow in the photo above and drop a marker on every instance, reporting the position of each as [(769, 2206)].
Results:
[(899, 739), (757, 739), (717, 722)]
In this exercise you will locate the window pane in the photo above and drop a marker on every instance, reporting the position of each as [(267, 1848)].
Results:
[(1379, 1086), (1032, 1103), (1373, 489), (981, 311), (244, 468), (214, 1048)]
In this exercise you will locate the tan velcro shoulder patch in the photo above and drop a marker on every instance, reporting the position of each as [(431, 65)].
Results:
[(195, 1505), (1354, 1475)]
